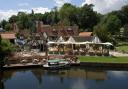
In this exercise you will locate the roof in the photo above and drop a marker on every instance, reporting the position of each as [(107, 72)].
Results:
[(60, 31), (71, 40), (83, 39), (61, 39), (83, 34), (55, 60), (8, 35)]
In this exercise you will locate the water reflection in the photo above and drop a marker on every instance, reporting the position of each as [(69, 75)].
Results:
[(75, 78), (79, 85), (119, 74), (78, 73), (38, 74), (1, 81)]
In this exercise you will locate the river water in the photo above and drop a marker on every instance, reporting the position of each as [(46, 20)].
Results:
[(75, 78)]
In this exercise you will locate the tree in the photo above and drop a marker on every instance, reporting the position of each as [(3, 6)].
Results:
[(87, 17), (6, 48), (8, 27), (125, 32), (124, 14), (3, 23), (112, 24), (23, 20), (100, 31), (103, 34), (13, 19), (55, 16), (69, 13)]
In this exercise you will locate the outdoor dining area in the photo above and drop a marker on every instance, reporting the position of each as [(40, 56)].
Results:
[(27, 58), (71, 47)]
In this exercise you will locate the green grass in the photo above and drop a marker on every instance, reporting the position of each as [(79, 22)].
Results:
[(104, 59), (122, 48)]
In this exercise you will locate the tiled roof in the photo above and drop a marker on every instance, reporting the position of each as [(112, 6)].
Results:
[(8, 35), (60, 31), (85, 34), (83, 39)]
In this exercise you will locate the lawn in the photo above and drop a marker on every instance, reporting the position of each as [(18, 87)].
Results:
[(104, 59), (122, 48)]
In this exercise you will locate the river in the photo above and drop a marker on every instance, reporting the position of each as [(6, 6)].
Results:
[(75, 78)]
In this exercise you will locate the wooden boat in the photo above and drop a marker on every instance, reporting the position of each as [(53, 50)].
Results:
[(56, 64)]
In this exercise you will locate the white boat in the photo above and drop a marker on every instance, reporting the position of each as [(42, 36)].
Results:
[(75, 63), (56, 64)]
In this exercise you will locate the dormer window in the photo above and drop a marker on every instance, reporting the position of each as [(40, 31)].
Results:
[(70, 31)]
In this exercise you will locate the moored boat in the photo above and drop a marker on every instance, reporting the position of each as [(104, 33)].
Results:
[(56, 64)]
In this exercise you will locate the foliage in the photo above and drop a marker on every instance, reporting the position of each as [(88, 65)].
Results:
[(8, 27), (68, 14), (6, 49), (125, 32), (13, 19), (113, 24), (123, 48), (103, 34), (100, 31), (3, 24), (106, 26), (87, 17)]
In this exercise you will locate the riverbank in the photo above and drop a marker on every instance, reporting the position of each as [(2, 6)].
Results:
[(86, 61), (116, 63)]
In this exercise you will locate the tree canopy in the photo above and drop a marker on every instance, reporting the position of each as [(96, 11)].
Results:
[(84, 17), (68, 14), (6, 48)]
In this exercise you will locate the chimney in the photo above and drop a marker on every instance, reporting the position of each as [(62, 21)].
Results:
[(39, 25), (15, 27)]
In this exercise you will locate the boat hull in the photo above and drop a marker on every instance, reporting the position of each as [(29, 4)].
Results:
[(57, 67)]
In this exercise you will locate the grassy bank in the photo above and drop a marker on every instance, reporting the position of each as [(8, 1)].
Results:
[(122, 48), (104, 59)]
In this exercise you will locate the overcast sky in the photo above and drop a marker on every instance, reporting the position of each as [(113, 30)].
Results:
[(11, 7)]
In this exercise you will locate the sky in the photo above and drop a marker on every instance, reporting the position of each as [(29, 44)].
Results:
[(12, 7)]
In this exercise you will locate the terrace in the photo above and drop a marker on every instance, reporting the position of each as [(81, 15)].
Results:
[(71, 47)]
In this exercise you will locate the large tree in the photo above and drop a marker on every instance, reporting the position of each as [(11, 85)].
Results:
[(3, 24), (68, 12), (125, 32), (100, 31), (23, 20), (87, 17), (13, 19), (112, 24)]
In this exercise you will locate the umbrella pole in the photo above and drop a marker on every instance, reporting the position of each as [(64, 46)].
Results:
[(72, 49)]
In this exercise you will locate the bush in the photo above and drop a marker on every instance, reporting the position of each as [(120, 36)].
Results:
[(6, 49)]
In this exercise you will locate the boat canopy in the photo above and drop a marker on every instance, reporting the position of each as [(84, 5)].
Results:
[(55, 60)]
